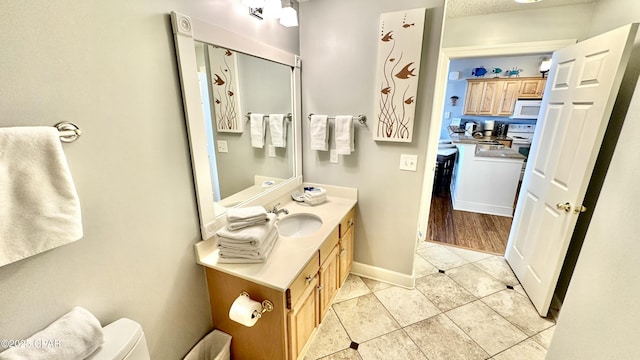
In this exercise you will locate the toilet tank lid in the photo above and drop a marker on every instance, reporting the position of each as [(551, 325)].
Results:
[(120, 337)]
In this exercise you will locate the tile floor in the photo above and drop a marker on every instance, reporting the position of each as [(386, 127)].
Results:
[(466, 305)]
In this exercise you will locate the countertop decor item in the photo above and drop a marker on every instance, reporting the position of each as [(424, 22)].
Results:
[(399, 53)]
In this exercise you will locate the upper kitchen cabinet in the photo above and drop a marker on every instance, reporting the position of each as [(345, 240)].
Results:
[(532, 88), (497, 97)]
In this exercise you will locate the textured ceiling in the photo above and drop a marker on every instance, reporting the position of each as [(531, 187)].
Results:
[(459, 8)]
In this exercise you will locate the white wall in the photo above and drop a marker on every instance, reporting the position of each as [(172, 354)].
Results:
[(339, 52), (110, 67), (566, 22), (599, 316)]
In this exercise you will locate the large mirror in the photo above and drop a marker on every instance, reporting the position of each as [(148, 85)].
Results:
[(225, 78)]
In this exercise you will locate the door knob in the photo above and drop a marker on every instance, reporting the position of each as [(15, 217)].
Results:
[(566, 206), (579, 209)]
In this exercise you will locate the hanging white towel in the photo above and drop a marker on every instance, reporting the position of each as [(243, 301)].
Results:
[(257, 130), (77, 334), (278, 130), (319, 133), (39, 206), (344, 134)]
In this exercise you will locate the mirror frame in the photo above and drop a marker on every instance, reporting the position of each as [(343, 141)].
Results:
[(186, 31)]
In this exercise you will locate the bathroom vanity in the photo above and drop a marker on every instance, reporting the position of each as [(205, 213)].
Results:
[(301, 277)]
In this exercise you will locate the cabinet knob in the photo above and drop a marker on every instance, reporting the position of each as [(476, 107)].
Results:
[(350, 222), (309, 278), (344, 250), (320, 287)]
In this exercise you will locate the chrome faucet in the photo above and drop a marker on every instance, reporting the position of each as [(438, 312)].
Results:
[(277, 211)]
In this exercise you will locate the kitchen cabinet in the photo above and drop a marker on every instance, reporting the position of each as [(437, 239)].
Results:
[(497, 97), (532, 88), (284, 332)]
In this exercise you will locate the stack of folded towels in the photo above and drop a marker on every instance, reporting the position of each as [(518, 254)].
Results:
[(315, 195), (248, 237)]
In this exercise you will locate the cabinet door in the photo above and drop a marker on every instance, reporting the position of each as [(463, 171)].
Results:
[(473, 97), (490, 95), (303, 319), (346, 254), (510, 91), (532, 88), (329, 280)]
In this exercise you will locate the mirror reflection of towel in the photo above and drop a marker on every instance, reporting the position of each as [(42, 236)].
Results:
[(278, 130), (257, 130), (39, 206)]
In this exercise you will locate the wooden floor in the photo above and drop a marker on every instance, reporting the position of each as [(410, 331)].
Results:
[(481, 232)]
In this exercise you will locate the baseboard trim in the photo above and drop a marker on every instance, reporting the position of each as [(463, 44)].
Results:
[(481, 208), (383, 275)]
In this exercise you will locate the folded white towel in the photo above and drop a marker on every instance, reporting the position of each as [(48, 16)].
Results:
[(319, 132), (39, 206), (344, 134), (316, 192), (278, 130), (232, 251), (252, 236), (73, 336), (257, 130), (241, 224), (246, 213), (243, 259), (315, 201)]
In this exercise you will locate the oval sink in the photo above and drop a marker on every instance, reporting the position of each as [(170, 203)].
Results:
[(299, 225)]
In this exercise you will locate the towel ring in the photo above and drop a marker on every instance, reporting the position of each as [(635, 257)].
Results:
[(69, 131)]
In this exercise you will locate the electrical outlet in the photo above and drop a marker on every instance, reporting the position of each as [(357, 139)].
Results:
[(272, 151), (222, 146), (333, 156), (408, 162)]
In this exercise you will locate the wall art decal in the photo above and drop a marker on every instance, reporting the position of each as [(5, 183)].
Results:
[(399, 53), (224, 89)]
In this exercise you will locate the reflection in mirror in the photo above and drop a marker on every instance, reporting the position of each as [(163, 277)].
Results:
[(226, 168), (233, 84)]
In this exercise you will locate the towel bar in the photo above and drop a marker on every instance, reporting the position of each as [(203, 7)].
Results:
[(69, 132), (362, 119), (287, 116)]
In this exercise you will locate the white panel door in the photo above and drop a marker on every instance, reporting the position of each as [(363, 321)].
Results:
[(582, 87)]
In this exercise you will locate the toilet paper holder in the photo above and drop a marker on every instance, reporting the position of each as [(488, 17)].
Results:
[(267, 305)]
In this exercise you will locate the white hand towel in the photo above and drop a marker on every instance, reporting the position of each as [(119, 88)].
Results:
[(246, 213), (39, 206), (234, 259), (73, 336), (230, 251), (316, 192), (257, 130), (252, 236), (319, 133), (278, 130), (344, 134)]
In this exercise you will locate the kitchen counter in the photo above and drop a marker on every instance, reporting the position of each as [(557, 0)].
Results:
[(289, 255), (501, 153)]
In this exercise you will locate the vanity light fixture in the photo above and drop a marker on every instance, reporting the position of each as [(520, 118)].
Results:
[(285, 10), (289, 13), (545, 65)]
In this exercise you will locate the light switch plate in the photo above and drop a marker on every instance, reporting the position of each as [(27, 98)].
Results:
[(447, 114), (222, 146), (408, 162), (333, 156), (272, 151)]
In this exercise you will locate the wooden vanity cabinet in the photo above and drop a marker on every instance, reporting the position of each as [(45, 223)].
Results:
[(346, 244), (284, 332)]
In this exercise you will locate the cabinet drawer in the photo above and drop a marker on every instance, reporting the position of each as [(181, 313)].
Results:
[(300, 284), (328, 245), (348, 221)]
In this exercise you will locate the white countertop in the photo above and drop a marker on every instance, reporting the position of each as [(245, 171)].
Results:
[(289, 255)]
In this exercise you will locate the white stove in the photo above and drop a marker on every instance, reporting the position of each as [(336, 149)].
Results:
[(522, 135)]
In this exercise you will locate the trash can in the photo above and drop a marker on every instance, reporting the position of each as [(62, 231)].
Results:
[(215, 346)]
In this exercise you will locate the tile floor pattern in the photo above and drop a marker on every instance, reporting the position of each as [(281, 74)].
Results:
[(466, 305)]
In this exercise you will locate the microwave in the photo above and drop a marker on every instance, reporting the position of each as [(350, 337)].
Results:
[(526, 109)]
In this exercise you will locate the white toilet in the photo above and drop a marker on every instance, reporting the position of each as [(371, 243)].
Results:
[(123, 340)]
